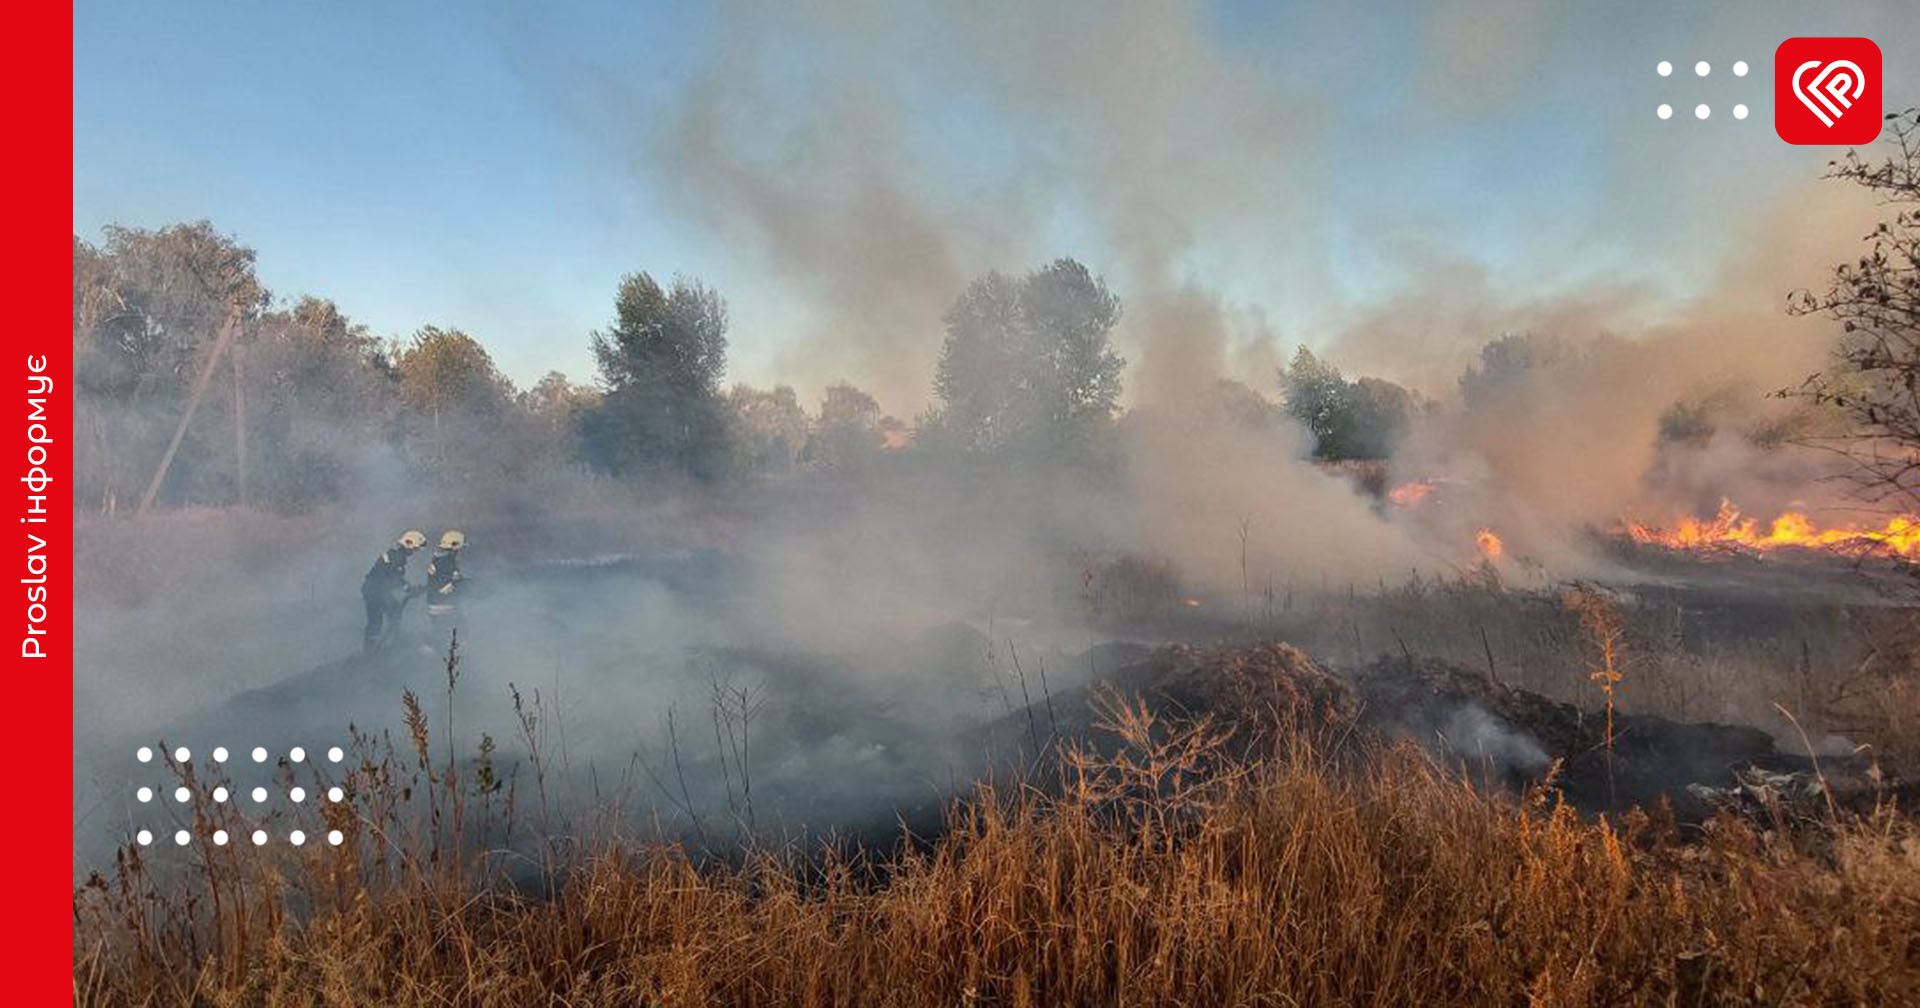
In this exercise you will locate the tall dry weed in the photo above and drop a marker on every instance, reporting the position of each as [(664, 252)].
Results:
[(1160, 866)]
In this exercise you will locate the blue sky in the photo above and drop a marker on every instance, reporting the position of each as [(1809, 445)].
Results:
[(837, 170)]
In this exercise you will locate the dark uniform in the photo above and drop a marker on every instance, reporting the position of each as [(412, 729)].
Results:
[(385, 591), (445, 586)]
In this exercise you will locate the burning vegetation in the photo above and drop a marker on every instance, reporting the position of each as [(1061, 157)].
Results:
[(1730, 531), (1489, 544), (1727, 532), (992, 708)]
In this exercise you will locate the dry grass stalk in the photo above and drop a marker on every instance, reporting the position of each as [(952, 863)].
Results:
[(1166, 870)]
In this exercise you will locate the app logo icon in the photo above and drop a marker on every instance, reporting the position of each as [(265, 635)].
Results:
[(1826, 90)]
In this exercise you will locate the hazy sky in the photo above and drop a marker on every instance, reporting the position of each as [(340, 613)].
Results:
[(839, 170)]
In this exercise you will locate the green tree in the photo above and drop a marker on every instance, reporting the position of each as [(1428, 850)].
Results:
[(1316, 394), (1382, 411), (850, 432), (984, 376), (1361, 419), (146, 303), (319, 388), (446, 374), (148, 306), (555, 409), (457, 405), (769, 429), (1070, 314), (1506, 365), (1027, 362), (1240, 404), (661, 362)]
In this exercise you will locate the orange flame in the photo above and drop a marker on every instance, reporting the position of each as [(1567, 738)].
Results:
[(1729, 529), (1409, 494), (1489, 543)]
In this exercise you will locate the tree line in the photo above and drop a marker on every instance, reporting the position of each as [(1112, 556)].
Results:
[(196, 386)]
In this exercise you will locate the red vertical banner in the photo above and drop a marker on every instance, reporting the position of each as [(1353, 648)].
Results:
[(37, 371)]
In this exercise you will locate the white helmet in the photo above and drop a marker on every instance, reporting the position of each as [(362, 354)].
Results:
[(412, 539)]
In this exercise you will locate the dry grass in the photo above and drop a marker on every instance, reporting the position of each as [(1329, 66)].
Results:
[(1168, 871)]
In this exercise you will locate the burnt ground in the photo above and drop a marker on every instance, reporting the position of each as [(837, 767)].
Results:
[(1499, 735), (1518, 738), (863, 745)]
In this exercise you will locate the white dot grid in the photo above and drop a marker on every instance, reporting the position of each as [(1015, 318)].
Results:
[(221, 794), (1700, 69), (182, 838)]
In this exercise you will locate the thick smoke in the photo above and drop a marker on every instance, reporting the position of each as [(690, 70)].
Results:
[(1137, 140), (801, 143), (1579, 442), (1182, 166), (1130, 134)]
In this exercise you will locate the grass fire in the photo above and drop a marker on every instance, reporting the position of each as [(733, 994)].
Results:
[(1728, 529), (858, 507)]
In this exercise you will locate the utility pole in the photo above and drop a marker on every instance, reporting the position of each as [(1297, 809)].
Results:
[(227, 331), (239, 422)]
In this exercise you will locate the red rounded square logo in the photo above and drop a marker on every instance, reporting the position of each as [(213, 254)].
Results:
[(1826, 90)]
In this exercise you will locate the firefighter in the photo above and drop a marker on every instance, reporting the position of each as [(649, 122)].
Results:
[(385, 589), (445, 583)]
